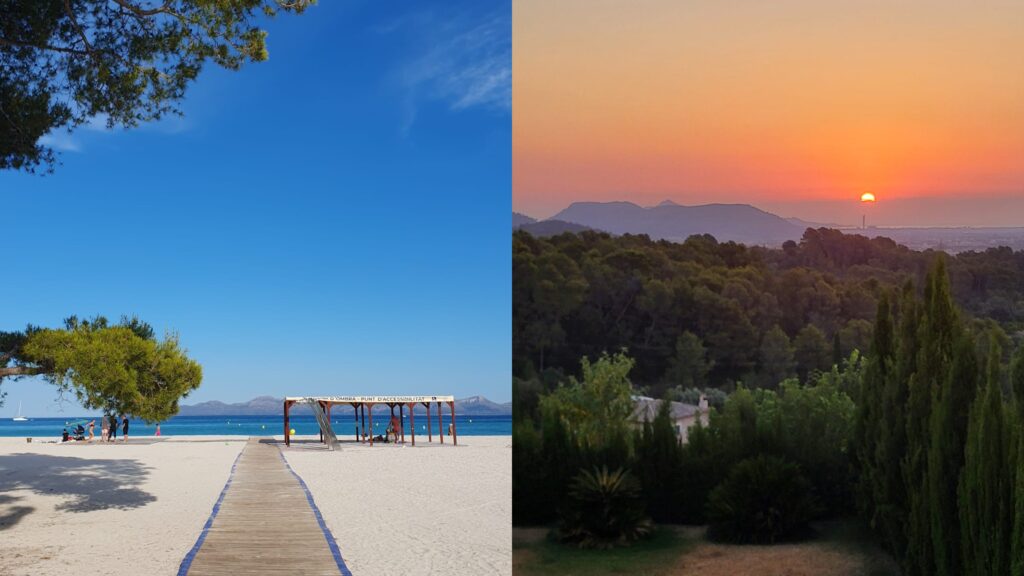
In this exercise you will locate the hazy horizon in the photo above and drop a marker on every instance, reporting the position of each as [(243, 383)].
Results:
[(935, 212)]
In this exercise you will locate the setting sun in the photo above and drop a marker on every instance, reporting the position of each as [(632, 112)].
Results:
[(867, 197)]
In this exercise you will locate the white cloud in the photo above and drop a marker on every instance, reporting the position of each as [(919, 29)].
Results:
[(466, 64), (61, 141)]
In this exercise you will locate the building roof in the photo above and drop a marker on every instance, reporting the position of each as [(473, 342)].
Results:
[(374, 399), (646, 409)]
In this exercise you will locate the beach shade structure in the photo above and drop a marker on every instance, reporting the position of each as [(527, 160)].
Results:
[(363, 416)]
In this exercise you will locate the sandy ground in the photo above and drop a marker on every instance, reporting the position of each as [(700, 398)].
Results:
[(107, 509), (431, 509)]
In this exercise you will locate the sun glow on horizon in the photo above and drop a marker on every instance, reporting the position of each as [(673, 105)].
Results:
[(867, 197)]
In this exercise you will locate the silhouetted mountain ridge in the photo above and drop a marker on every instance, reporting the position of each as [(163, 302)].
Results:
[(670, 221)]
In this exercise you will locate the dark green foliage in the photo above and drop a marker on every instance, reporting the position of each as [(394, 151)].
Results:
[(870, 424), (124, 61), (604, 509), (889, 516), (764, 500), (811, 351), (531, 489), (986, 484), (690, 366), (938, 330), (777, 363), (946, 455), (659, 464), (715, 397)]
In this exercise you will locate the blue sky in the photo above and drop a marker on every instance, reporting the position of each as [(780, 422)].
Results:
[(333, 220)]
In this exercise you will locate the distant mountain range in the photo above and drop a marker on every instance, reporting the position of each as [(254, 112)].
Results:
[(265, 405), (669, 221), (544, 228)]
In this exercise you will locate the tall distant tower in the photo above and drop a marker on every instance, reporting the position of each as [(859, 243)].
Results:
[(866, 199)]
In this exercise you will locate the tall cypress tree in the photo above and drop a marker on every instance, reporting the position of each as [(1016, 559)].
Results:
[(891, 507), (938, 330), (986, 482), (870, 421), (1017, 386), (946, 455)]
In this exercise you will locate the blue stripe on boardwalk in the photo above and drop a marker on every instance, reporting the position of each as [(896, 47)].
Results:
[(187, 562), (320, 520)]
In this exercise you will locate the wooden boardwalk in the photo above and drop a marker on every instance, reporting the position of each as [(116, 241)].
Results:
[(265, 523)]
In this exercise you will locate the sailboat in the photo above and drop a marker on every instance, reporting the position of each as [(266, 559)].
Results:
[(19, 417)]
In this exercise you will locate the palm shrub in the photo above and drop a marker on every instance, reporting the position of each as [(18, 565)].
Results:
[(764, 500), (604, 509)]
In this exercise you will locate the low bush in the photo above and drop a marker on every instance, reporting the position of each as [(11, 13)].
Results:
[(763, 500)]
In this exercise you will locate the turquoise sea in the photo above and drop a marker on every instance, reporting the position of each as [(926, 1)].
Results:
[(254, 426)]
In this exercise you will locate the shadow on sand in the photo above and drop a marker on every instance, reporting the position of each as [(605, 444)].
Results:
[(87, 484)]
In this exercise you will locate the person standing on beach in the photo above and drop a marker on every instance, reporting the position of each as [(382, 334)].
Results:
[(124, 430), (104, 428), (92, 429), (113, 428)]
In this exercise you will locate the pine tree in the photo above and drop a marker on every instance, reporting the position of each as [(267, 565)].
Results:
[(985, 485)]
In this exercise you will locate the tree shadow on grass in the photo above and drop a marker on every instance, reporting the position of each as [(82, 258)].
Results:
[(87, 484)]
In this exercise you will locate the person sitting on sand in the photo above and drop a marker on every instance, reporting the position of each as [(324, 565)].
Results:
[(65, 436), (124, 430)]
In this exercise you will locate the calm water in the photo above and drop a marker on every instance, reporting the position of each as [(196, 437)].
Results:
[(255, 426)]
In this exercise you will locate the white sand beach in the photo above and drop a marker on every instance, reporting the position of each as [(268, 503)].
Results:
[(431, 509), (106, 508), (139, 508)]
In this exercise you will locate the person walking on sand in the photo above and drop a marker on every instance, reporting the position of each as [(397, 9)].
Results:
[(113, 429), (92, 429), (124, 429)]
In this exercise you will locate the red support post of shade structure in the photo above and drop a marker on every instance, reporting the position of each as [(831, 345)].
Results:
[(412, 422), (455, 438), (440, 425), (371, 423), (287, 432), (430, 429)]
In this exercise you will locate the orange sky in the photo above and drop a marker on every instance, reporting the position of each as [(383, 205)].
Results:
[(771, 103)]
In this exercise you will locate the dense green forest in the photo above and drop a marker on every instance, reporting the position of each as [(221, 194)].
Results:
[(914, 421), (707, 314)]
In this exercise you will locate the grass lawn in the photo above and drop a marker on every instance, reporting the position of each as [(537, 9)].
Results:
[(534, 555), (841, 548)]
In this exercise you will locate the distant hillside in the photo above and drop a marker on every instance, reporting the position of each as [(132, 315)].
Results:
[(264, 405), (671, 221), (546, 228), (521, 220)]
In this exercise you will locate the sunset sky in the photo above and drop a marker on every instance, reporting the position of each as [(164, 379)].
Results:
[(796, 106)]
